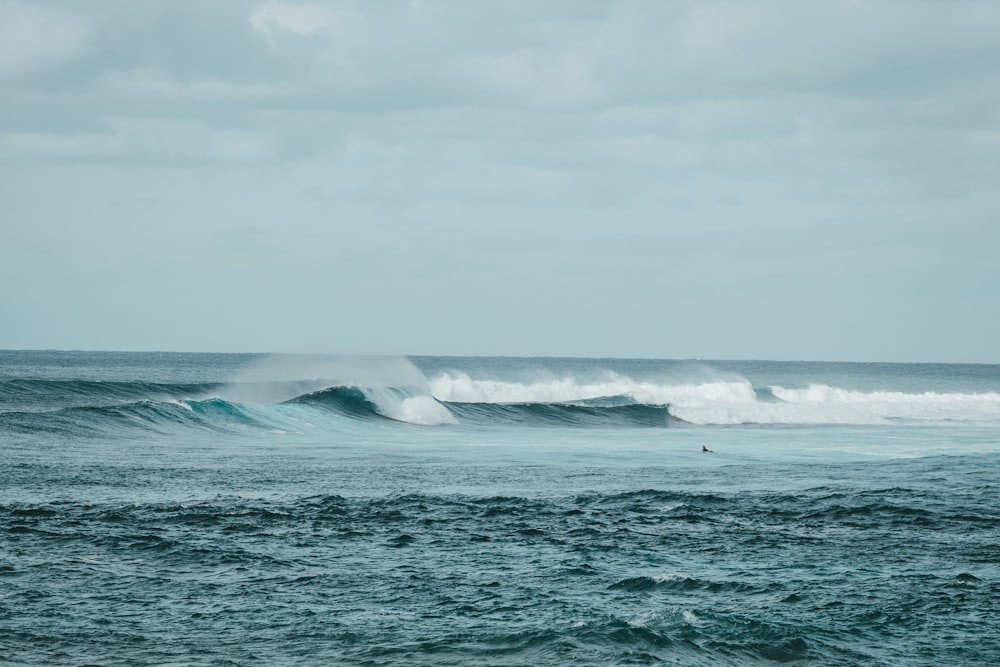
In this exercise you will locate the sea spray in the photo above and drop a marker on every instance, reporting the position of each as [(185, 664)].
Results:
[(394, 385)]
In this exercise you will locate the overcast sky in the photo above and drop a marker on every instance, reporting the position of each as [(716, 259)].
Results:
[(764, 180)]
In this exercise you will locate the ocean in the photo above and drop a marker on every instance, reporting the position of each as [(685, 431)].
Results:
[(227, 509)]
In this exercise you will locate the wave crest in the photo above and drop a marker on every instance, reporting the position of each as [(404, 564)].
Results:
[(719, 401), (396, 403)]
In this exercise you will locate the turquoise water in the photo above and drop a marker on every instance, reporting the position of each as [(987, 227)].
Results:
[(248, 509)]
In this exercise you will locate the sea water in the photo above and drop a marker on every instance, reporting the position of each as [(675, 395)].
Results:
[(205, 509)]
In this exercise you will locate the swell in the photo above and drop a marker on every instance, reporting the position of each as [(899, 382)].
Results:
[(565, 414), (143, 416), (606, 411), (617, 401), (25, 394), (347, 401), (89, 407), (104, 415)]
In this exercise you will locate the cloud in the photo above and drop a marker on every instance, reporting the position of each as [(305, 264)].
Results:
[(533, 78), (724, 47), (152, 84), (132, 138), (581, 55), (427, 54), (35, 38), (297, 19)]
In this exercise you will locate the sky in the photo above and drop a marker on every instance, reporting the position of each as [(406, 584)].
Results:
[(600, 178)]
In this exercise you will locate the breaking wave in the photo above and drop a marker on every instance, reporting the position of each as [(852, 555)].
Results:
[(723, 401), (285, 393)]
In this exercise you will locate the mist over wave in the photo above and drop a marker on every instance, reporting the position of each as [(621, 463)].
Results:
[(392, 385)]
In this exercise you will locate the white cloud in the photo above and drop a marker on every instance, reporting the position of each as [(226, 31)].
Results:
[(151, 84), (184, 139), (35, 38), (447, 53), (714, 46), (35, 145), (534, 78), (525, 55), (130, 138), (298, 19)]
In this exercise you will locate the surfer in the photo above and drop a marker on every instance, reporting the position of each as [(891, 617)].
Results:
[(705, 449)]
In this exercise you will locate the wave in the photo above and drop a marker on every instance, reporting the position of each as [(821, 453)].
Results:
[(263, 395), (723, 401), (219, 415), (358, 387), (125, 419), (823, 404), (396, 403), (30, 394), (564, 414), (393, 389), (815, 405)]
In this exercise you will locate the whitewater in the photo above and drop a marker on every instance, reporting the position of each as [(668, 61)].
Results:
[(221, 509)]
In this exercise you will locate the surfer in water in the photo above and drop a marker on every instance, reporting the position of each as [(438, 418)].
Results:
[(705, 449)]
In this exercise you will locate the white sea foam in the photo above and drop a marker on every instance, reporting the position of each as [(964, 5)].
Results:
[(822, 404), (730, 399), (422, 410), (461, 388), (644, 618), (458, 387), (672, 507)]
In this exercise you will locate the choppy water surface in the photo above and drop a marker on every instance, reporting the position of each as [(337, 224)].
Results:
[(235, 510)]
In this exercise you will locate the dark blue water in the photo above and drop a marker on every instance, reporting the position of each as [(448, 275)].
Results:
[(239, 509)]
